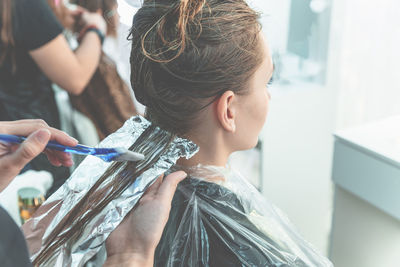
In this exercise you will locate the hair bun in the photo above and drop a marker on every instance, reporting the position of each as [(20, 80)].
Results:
[(179, 15), (187, 10), (185, 53)]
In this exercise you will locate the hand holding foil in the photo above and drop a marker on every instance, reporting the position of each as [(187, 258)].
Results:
[(134, 241), (58, 234)]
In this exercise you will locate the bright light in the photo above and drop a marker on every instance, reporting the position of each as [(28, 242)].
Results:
[(127, 10)]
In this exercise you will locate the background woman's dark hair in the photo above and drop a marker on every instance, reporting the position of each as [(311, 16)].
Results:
[(185, 53), (6, 32)]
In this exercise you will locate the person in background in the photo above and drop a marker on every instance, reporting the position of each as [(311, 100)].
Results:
[(33, 54), (107, 100), (129, 245)]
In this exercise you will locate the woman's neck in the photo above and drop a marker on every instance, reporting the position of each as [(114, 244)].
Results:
[(212, 152), (204, 159)]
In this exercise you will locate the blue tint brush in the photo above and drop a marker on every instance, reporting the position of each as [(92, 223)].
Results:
[(106, 154)]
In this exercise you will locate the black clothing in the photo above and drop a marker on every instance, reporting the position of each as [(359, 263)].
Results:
[(13, 250), (194, 236), (27, 93)]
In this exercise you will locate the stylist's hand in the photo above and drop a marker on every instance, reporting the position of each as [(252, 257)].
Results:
[(134, 241), (94, 19), (13, 158)]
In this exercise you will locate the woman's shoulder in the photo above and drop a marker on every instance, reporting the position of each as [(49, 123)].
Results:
[(34, 23), (210, 220), (30, 6)]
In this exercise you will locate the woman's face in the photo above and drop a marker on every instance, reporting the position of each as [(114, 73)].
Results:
[(253, 106)]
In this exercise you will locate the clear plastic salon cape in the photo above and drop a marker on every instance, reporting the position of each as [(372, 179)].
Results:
[(217, 218)]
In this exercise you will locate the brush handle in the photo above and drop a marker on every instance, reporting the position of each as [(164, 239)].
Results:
[(103, 153)]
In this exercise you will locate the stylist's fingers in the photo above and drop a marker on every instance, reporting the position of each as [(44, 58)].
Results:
[(28, 150), (78, 11), (77, 14), (52, 158), (26, 127), (167, 189), (65, 158)]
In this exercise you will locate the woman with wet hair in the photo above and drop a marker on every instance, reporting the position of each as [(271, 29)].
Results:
[(201, 68)]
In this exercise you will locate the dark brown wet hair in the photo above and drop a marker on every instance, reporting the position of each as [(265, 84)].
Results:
[(6, 32), (185, 54)]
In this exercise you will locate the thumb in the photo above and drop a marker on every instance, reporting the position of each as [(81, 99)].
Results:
[(30, 148), (168, 187)]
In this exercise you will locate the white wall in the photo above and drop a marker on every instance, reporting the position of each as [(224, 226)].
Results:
[(297, 158), (368, 54), (275, 21), (298, 142)]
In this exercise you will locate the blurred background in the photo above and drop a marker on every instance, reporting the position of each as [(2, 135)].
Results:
[(336, 68)]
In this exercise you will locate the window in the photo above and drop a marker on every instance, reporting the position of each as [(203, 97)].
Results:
[(298, 34)]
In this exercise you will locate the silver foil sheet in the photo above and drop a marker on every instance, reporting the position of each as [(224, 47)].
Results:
[(84, 177)]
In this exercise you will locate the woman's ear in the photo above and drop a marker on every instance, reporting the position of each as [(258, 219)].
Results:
[(226, 111)]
